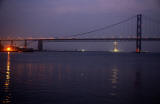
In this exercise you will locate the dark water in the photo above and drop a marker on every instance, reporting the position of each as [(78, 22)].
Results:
[(79, 78)]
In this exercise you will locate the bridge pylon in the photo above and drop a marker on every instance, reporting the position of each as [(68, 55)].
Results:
[(139, 33)]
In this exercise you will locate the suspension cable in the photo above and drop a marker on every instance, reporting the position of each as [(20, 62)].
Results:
[(104, 28)]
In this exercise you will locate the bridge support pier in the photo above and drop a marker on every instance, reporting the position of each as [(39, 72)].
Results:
[(40, 45), (1, 46), (139, 33), (11, 42), (25, 43)]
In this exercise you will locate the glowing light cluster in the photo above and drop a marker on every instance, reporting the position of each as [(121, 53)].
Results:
[(115, 50), (8, 49), (83, 50), (115, 47)]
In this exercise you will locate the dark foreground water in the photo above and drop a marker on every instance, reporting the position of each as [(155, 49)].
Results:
[(79, 78)]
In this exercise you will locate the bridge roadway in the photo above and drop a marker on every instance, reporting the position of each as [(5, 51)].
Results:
[(41, 40), (82, 39)]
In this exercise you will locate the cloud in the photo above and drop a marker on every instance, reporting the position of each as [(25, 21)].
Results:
[(93, 6), (103, 6), (82, 6)]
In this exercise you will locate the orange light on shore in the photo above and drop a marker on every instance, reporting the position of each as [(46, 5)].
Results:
[(9, 49)]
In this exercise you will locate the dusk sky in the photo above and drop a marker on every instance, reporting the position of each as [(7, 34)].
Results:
[(79, 51), (49, 18)]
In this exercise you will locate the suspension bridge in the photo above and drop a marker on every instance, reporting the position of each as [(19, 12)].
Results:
[(136, 28)]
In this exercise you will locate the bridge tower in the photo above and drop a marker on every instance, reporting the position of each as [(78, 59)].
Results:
[(139, 33), (40, 45)]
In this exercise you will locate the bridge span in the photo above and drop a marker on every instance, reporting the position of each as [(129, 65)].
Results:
[(84, 39), (42, 40), (139, 35)]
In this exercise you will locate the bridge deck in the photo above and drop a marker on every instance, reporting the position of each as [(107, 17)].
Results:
[(83, 39)]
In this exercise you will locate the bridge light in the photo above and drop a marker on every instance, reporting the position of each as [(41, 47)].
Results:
[(115, 50), (137, 50), (115, 47), (83, 50)]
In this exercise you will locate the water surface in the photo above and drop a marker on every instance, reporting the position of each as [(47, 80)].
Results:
[(79, 78)]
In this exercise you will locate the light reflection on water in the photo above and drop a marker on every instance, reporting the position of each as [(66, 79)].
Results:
[(70, 78), (7, 97), (114, 81)]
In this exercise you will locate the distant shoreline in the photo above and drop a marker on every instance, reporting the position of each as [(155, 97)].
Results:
[(76, 51)]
